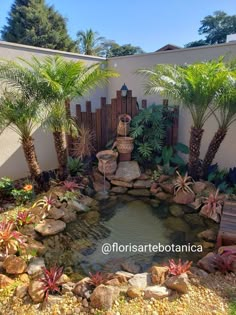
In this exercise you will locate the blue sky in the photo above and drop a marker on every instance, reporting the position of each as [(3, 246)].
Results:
[(149, 24)]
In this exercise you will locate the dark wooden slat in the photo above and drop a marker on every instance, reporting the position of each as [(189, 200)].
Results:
[(113, 116), (118, 104), (104, 121), (144, 103), (175, 126), (94, 128), (109, 122), (84, 119), (134, 106), (123, 105), (129, 103), (88, 114), (99, 128), (227, 231), (78, 114)]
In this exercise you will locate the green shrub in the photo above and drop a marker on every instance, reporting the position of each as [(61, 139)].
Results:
[(75, 166)]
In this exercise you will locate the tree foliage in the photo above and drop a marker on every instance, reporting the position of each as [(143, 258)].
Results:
[(215, 27), (116, 50), (32, 22), (90, 43)]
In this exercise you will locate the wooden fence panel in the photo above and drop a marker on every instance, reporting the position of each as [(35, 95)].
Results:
[(103, 122)]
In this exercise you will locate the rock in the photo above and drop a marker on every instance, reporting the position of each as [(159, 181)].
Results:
[(119, 190), (35, 246), (144, 176), (21, 291), (140, 183), (35, 291), (176, 224), (184, 198), (24, 277), (176, 210), (69, 215), (122, 183), (77, 206), (167, 187), (102, 195), (140, 280), (134, 292), (130, 266), (196, 204), (214, 215), (207, 262), (50, 227), (208, 245), (198, 272), (54, 300), (154, 203), (83, 288), (99, 186), (139, 192), (163, 196), (67, 287), (194, 220), (35, 266), (5, 281), (103, 297), (55, 213), (88, 201), (14, 265), (163, 178), (127, 171), (85, 303), (179, 283), (91, 217), (123, 276), (198, 187), (154, 189), (113, 282), (156, 292), (227, 248), (159, 274), (208, 235)]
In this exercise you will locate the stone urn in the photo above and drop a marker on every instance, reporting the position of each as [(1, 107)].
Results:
[(123, 125), (107, 161)]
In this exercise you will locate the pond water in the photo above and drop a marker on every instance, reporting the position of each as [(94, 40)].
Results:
[(126, 220)]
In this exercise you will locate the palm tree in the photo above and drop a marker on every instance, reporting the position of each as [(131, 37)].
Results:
[(64, 80), (225, 117), (20, 108), (90, 43), (195, 86)]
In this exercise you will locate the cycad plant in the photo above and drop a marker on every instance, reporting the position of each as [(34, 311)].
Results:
[(64, 80), (195, 87), (225, 117)]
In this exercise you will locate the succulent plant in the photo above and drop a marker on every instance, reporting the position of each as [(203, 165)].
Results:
[(97, 278), (50, 280), (24, 217), (177, 269), (213, 206), (183, 183)]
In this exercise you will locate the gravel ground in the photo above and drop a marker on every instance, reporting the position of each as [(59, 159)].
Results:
[(207, 296)]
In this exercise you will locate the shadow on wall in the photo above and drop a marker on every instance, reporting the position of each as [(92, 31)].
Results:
[(12, 159)]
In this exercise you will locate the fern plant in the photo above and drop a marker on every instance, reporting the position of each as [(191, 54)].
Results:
[(148, 129)]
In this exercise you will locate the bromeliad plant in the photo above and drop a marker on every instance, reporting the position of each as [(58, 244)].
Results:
[(97, 278), (10, 240), (24, 218), (225, 262), (176, 269), (213, 206), (51, 280), (45, 203), (183, 183), (71, 186)]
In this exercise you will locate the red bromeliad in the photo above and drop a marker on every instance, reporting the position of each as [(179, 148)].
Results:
[(10, 239), (177, 269), (50, 280)]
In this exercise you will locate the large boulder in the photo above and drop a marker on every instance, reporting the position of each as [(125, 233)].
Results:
[(198, 187), (35, 266), (83, 288), (119, 190), (209, 235), (121, 183), (36, 291), (130, 266), (176, 210), (184, 197), (156, 292), (141, 280), (127, 171), (159, 274), (5, 281), (133, 292), (139, 192), (207, 263), (104, 296), (50, 227), (179, 283), (14, 265), (55, 213), (140, 183)]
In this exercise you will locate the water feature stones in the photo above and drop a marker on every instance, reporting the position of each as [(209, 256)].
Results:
[(14, 265), (176, 224), (156, 292), (5, 281), (176, 210), (209, 235), (55, 213), (37, 246), (88, 201), (139, 192), (130, 266), (163, 196), (69, 215), (91, 217), (141, 280), (83, 288), (103, 297), (184, 197), (194, 220), (141, 183), (101, 195), (21, 291), (123, 276), (198, 187), (159, 274), (122, 183), (35, 266), (133, 292), (162, 211), (50, 227), (207, 263), (154, 203), (77, 206), (179, 283), (119, 190), (127, 171), (167, 187)]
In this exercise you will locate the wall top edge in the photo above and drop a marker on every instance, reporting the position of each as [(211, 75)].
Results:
[(47, 50)]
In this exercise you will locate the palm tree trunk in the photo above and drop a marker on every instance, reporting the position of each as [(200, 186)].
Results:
[(61, 150), (194, 151), (213, 148), (30, 156)]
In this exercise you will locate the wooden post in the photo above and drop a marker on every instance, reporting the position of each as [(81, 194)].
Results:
[(144, 104)]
